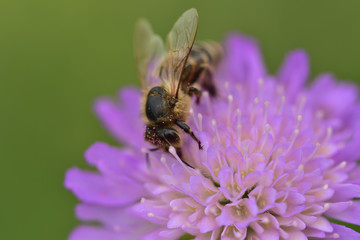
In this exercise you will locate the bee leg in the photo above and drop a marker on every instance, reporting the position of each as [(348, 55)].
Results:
[(194, 91), (179, 153), (147, 156), (188, 130)]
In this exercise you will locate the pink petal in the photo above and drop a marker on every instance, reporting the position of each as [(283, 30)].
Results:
[(177, 220), (298, 235), (272, 234), (344, 192), (350, 215), (342, 232), (96, 233), (310, 232), (294, 72), (162, 234), (151, 210), (113, 217), (244, 60), (124, 123), (337, 207), (208, 224), (114, 162), (322, 224), (93, 188)]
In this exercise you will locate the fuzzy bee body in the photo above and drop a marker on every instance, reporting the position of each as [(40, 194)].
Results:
[(169, 79), (164, 115), (203, 59)]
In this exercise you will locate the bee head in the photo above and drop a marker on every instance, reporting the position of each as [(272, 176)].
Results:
[(159, 105)]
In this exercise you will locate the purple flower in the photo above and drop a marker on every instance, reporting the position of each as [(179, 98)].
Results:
[(279, 160)]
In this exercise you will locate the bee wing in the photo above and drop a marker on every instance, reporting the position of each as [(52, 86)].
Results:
[(149, 49), (178, 45)]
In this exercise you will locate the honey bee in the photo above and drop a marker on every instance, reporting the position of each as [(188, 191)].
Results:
[(170, 76)]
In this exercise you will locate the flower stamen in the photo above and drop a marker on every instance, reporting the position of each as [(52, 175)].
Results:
[(176, 156), (293, 139), (317, 146), (200, 117), (282, 105), (230, 100), (266, 105)]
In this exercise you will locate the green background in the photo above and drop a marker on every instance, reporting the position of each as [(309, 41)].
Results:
[(56, 57)]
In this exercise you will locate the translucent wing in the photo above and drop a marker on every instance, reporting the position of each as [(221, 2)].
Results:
[(149, 49), (178, 45)]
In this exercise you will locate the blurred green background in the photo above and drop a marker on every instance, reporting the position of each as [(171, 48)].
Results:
[(56, 57)]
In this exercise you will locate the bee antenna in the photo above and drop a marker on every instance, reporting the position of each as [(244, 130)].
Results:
[(177, 90), (178, 86), (183, 67)]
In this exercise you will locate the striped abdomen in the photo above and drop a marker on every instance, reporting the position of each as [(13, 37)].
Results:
[(200, 66)]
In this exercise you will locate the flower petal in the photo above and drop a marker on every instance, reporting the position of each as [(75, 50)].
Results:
[(162, 234), (93, 188), (113, 217), (244, 60), (298, 235), (322, 224), (129, 99), (344, 192), (112, 161), (152, 210), (294, 72), (272, 234), (126, 126), (338, 207), (177, 220), (208, 224), (350, 215), (325, 95), (351, 152), (95, 233), (342, 232)]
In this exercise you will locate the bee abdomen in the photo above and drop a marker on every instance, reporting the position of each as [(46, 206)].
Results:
[(207, 52), (203, 59)]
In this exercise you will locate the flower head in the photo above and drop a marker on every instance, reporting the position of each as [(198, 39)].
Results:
[(279, 160)]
